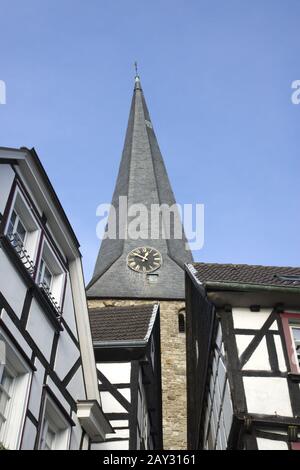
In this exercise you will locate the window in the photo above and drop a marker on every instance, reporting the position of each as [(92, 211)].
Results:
[(14, 388), (181, 321), (23, 231), (45, 275), (16, 228), (55, 430), (6, 386), (295, 329), (291, 328), (51, 277)]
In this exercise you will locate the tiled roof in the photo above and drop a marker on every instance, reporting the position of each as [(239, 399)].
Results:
[(274, 276), (130, 323)]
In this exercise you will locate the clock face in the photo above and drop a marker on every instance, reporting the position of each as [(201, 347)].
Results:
[(144, 259)]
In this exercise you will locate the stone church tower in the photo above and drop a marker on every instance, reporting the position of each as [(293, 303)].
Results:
[(128, 273)]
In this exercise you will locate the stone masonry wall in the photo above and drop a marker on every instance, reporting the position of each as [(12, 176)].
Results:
[(173, 361)]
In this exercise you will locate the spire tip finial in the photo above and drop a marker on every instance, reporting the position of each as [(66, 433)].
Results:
[(137, 77)]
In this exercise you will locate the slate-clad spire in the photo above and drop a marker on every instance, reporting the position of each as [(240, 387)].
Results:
[(143, 179)]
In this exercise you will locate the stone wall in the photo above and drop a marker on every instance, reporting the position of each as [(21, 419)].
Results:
[(173, 352)]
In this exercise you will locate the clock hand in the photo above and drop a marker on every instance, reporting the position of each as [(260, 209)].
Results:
[(143, 257)]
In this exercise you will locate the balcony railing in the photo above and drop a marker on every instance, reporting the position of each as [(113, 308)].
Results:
[(45, 288), (22, 252), (17, 244)]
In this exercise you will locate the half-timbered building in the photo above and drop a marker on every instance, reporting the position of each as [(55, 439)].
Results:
[(243, 374), (49, 397), (127, 349)]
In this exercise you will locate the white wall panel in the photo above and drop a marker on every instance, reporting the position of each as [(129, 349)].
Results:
[(244, 318), (36, 389), (6, 179), (280, 355), (110, 404), (117, 372), (76, 386), (68, 309), (259, 360), (11, 284), (75, 434), (267, 395), (29, 436), (16, 333), (268, 444), (66, 355), (40, 329)]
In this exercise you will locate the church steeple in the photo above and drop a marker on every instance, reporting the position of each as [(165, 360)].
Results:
[(142, 179)]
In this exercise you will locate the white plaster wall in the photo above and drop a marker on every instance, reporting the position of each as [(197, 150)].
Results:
[(110, 404), (268, 444), (75, 434), (28, 436), (63, 402), (36, 389), (267, 395), (68, 309), (116, 372), (76, 386), (280, 355), (245, 319), (15, 333), (11, 284), (66, 355), (259, 360), (6, 179), (40, 329)]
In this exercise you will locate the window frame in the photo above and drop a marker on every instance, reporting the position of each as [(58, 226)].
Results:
[(62, 430), (11, 434), (289, 340)]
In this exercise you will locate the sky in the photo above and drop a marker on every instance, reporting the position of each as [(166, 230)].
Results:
[(217, 79)]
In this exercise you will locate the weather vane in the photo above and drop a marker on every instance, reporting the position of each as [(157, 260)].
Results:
[(136, 69)]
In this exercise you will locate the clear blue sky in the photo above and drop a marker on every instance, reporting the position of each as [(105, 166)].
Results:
[(217, 78)]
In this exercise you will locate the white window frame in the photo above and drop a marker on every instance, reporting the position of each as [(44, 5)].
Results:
[(56, 269), (54, 419), (25, 214), (15, 225), (11, 431)]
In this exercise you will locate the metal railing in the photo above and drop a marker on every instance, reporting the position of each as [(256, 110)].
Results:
[(22, 252), (48, 293), (17, 243)]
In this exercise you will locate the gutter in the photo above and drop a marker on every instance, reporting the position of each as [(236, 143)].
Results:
[(234, 286)]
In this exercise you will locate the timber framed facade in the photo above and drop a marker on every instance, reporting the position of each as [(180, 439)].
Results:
[(48, 385), (243, 357)]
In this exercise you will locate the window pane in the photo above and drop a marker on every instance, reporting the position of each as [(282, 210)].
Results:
[(50, 438), (5, 393), (47, 277), (11, 223), (20, 231), (296, 336)]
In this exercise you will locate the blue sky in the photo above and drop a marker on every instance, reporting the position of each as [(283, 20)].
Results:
[(217, 78)]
